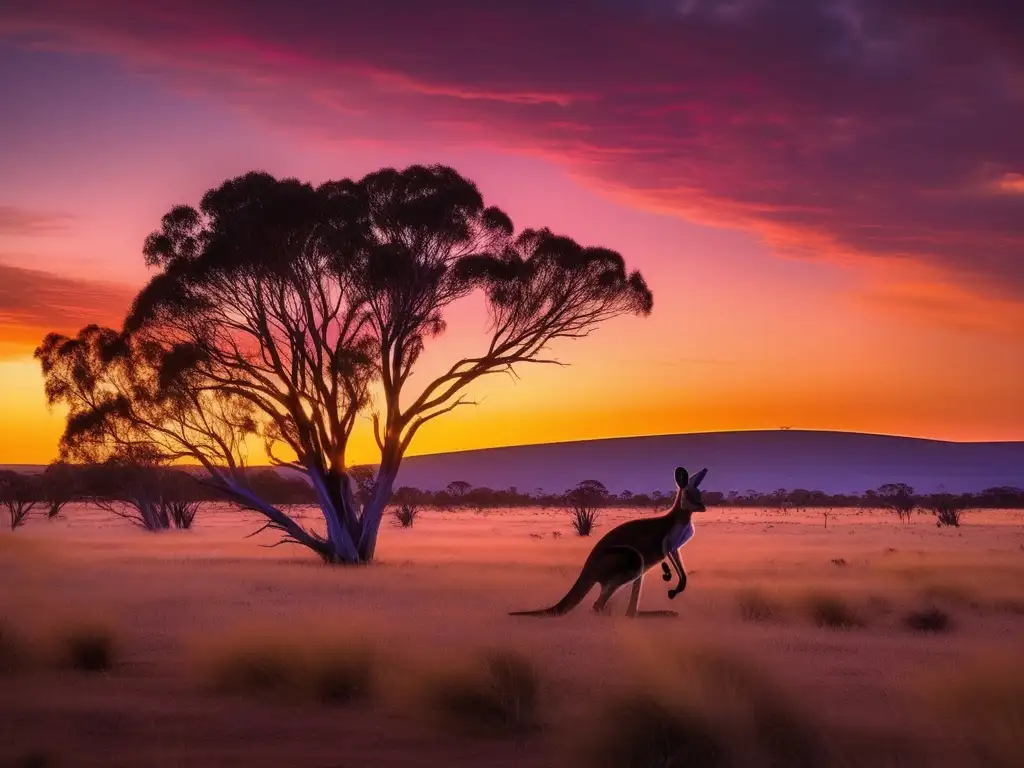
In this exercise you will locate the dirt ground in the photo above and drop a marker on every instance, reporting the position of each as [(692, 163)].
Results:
[(440, 593)]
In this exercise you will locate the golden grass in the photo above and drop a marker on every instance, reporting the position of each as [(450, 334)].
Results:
[(702, 708), (754, 606), (288, 665), (833, 612), (497, 693), (982, 702)]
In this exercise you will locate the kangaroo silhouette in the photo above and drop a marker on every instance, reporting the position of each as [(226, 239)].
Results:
[(629, 550)]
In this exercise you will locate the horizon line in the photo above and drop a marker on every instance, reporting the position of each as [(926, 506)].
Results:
[(642, 437)]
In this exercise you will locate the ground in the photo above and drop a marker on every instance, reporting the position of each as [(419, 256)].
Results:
[(442, 589)]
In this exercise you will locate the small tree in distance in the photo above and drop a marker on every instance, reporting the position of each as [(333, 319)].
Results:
[(585, 501), (19, 496), (898, 498), (276, 305)]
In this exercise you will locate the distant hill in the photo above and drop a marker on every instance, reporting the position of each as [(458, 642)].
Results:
[(833, 462)]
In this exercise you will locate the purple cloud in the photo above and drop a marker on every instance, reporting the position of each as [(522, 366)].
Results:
[(833, 129)]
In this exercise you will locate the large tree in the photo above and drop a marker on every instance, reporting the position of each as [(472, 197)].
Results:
[(276, 307)]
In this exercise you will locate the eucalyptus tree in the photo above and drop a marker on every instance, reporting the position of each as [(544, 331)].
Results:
[(277, 306)]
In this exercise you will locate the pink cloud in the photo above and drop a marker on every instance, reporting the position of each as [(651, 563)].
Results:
[(34, 302), (847, 130), (21, 222)]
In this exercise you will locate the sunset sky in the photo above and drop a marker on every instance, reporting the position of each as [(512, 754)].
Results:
[(826, 197)]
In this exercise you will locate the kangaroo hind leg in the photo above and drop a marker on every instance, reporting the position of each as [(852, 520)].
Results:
[(622, 565)]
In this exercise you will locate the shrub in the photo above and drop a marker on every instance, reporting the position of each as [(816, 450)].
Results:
[(13, 649), (501, 696), (640, 730), (326, 670), (405, 515), (947, 508), (755, 607), (930, 619), (584, 519), (833, 612), (87, 648), (986, 701), (182, 513)]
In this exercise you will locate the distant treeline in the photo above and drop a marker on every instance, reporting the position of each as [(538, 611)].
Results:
[(60, 484)]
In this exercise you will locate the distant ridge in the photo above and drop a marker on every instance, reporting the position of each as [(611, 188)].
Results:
[(758, 460)]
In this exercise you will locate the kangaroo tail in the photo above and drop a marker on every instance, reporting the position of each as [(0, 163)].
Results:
[(572, 598)]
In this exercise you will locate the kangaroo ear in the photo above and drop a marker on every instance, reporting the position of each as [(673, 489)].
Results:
[(695, 480), (682, 477)]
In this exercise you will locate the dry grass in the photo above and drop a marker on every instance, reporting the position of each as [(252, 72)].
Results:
[(87, 646), (832, 611), (708, 709), (14, 650), (983, 703), (498, 694), (756, 607), (289, 666), (929, 619)]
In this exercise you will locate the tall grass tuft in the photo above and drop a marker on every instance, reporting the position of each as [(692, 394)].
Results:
[(499, 695), (833, 612), (87, 647)]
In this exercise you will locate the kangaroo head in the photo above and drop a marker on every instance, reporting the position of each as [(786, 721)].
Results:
[(688, 497)]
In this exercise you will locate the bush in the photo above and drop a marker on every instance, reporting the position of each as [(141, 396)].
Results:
[(500, 697), (928, 620), (755, 607), (947, 508), (182, 513), (833, 612), (584, 519), (87, 648), (14, 653), (986, 702), (326, 670), (640, 730), (405, 515)]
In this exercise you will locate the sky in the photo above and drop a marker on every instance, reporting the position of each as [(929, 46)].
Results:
[(826, 197)]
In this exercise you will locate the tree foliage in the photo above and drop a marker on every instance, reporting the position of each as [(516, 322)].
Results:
[(276, 305)]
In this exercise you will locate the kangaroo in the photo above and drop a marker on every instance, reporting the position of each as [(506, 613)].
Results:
[(629, 550)]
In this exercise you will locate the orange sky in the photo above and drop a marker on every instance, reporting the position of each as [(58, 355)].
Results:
[(781, 297)]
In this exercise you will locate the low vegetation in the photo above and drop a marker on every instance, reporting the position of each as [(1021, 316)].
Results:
[(328, 669), (929, 619), (86, 647), (498, 694), (986, 702), (833, 612), (755, 607), (709, 709), (14, 650), (405, 515)]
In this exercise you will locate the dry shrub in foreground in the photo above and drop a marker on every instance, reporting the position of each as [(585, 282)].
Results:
[(983, 704), (499, 694), (756, 607), (929, 619), (707, 709), (14, 650), (833, 612), (329, 670), (85, 646)]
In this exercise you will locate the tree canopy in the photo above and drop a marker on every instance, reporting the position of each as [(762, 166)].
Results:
[(276, 305)]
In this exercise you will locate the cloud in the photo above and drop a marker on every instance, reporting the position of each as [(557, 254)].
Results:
[(34, 302), (838, 129), (23, 221)]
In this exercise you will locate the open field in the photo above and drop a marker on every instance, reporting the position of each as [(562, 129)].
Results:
[(822, 612)]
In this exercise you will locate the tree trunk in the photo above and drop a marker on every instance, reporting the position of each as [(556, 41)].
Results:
[(373, 513)]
